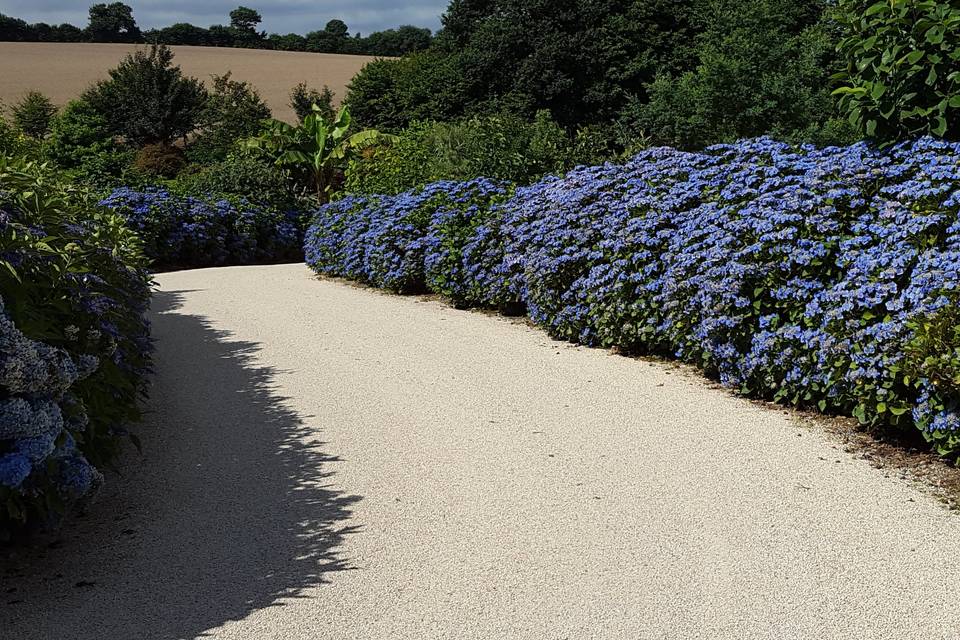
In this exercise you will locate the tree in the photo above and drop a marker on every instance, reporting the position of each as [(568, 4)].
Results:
[(583, 60), (244, 19), (288, 42), (221, 36), (181, 33), (13, 29), (147, 100), (763, 67), (391, 94), (397, 42), (333, 38), (33, 114), (234, 110), (337, 29), (243, 23), (112, 23), (67, 33), (304, 99)]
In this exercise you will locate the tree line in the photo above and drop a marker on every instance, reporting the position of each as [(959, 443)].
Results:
[(115, 22)]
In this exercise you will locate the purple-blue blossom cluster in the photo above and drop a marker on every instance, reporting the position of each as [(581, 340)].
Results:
[(181, 232), (407, 243), (74, 344), (40, 417), (791, 273)]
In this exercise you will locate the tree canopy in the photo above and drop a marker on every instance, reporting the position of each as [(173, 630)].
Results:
[(115, 23)]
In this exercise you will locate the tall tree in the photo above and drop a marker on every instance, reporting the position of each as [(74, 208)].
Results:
[(113, 23), (243, 23), (147, 99), (13, 29)]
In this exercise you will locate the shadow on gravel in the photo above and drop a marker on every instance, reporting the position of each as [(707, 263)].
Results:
[(229, 510)]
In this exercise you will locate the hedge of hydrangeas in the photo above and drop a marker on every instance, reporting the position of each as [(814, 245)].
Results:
[(74, 343), (182, 232), (824, 278)]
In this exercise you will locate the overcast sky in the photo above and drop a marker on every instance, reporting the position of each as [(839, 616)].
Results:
[(279, 16)]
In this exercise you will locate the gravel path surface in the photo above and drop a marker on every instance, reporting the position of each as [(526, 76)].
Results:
[(327, 462)]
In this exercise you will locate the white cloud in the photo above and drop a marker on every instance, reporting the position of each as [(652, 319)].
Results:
[(279, 16)]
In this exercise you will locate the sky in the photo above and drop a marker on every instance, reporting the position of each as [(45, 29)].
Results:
[(279, 16)]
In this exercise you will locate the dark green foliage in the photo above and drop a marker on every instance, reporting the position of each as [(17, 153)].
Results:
[(78, 133), (245, 19), (390, 94), (33, 114), (245, 175), (581, 59), (147, 100), (762, 68), (332, 39), (243, 23), (302, 99), (902, 67), (181, 33), (110, 169), (220, 36), (14, 29), (112, 23), (503, 147), (396, 42), (288, 42), (234, 110)]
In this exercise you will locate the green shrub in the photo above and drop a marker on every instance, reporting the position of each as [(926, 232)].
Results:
[(933, 355), (15, 143), (110, 169), (302, 99), (78, 133), (902, 75), (161, 160), (503, 147), (147, 100), (762, 68), (248, 176), (233, 111), (33, 114)]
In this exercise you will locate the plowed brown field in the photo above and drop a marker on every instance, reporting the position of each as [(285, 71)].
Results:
[(63, 70)]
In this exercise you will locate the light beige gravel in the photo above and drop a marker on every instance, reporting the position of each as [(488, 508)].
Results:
[(328, 462)]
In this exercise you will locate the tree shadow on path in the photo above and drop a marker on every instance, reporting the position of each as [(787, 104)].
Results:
[(229, 510)]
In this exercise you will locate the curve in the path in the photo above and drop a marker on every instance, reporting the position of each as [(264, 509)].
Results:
[(323, 461)]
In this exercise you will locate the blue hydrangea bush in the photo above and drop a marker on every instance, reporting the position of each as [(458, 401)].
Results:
[(412, 242), (823, 278), (183, 232), (74, 344)]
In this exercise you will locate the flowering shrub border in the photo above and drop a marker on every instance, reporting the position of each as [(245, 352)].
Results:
[(74, 344), (795, 274), (183, 232)]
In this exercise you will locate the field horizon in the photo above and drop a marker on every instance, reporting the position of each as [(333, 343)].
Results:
[(62, 71)]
